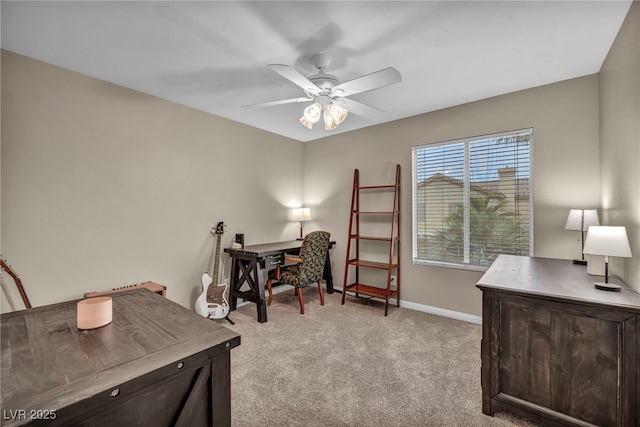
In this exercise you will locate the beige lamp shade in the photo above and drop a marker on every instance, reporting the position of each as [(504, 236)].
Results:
[(300, 214)]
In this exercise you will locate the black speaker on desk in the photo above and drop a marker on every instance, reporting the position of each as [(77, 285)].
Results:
[(240, 238)]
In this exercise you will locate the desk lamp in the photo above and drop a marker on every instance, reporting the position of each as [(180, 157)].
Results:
[(607, 241), (302, 215), (581, 220)]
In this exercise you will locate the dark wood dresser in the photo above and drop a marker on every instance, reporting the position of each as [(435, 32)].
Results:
[(554, 348), (155, 364)]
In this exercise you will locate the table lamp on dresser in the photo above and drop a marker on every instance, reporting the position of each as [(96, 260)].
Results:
[(580, 220), (607, 241)]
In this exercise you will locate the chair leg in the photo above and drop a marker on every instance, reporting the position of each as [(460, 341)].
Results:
[(321, 292), (270, 292), (300, 300), (277, 277)]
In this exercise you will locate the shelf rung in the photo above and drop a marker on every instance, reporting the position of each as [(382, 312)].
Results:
[(373, 291), (373, 187), (373, 212), (373, 264), (379, 239)]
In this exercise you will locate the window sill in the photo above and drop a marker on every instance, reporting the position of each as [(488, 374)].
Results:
[(442, 264)]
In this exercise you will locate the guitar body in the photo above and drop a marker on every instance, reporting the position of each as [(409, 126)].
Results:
[(212, 302), (201, 304)]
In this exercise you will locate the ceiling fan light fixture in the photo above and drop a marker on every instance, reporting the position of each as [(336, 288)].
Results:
[(329, 94), (312, 112), (308, 124), (311, 115), (333, 116)]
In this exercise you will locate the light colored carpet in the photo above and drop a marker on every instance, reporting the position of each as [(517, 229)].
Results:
[(348, 365)]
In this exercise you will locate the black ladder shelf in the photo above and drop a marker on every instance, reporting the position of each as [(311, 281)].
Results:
[(391, 287)]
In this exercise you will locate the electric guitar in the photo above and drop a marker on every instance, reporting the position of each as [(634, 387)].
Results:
[(5, 267), (212, 303)]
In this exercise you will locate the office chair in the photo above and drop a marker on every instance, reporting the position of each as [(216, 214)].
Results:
[(308, 267)]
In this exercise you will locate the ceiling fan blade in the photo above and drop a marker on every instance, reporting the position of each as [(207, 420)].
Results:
[(361, 109), (295, 77), (282, 101), (368, 82)]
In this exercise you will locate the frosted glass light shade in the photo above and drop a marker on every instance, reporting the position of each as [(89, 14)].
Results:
[(311, 115), (333, 116), (300, 214), (306, 122), (607, 241)]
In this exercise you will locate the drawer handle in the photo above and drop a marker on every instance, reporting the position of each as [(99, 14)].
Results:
[(114, 392)]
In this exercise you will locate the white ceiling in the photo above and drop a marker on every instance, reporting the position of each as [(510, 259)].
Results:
[(213, 56)]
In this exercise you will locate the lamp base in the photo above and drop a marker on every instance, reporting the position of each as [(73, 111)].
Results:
[(608, 287), (580, 261)]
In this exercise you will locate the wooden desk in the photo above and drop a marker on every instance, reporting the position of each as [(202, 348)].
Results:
[(155, 364), (244, 269), (554, 348)]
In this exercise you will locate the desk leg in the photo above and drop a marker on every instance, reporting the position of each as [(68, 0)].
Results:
[(261, 302), (245, 270), (234, 278)]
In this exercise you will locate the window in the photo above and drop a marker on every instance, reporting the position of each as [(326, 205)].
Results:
[(472, 200)]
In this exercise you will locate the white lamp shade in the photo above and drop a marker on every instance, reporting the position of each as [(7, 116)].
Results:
[(607, 241), (300, 214), (581, 220)]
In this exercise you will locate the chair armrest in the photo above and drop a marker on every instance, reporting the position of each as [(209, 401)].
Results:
[(292, 259)]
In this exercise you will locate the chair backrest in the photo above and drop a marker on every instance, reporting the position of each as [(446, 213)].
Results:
[(313, 253)]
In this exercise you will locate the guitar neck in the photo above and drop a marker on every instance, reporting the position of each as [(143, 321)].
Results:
[(17, 281), (216, 263)]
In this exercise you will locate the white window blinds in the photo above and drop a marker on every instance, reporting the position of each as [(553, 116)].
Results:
[(472, 200)]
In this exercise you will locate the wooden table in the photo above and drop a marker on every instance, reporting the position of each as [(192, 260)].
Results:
[(244, 270), (155, 364), (554, 348)]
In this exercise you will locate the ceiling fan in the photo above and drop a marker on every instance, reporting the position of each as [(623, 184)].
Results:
[(331, 96)]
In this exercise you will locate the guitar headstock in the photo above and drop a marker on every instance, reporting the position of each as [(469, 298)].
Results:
[(219, 228)]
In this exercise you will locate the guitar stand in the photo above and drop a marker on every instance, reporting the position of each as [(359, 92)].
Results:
[(225, 318)]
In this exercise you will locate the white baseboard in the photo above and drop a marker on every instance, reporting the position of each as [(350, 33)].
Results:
[(405, 304), (441, 312), (434, 310)]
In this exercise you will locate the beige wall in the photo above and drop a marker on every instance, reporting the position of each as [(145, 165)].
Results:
[(565, 175), (104, 187), (620, 141)]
